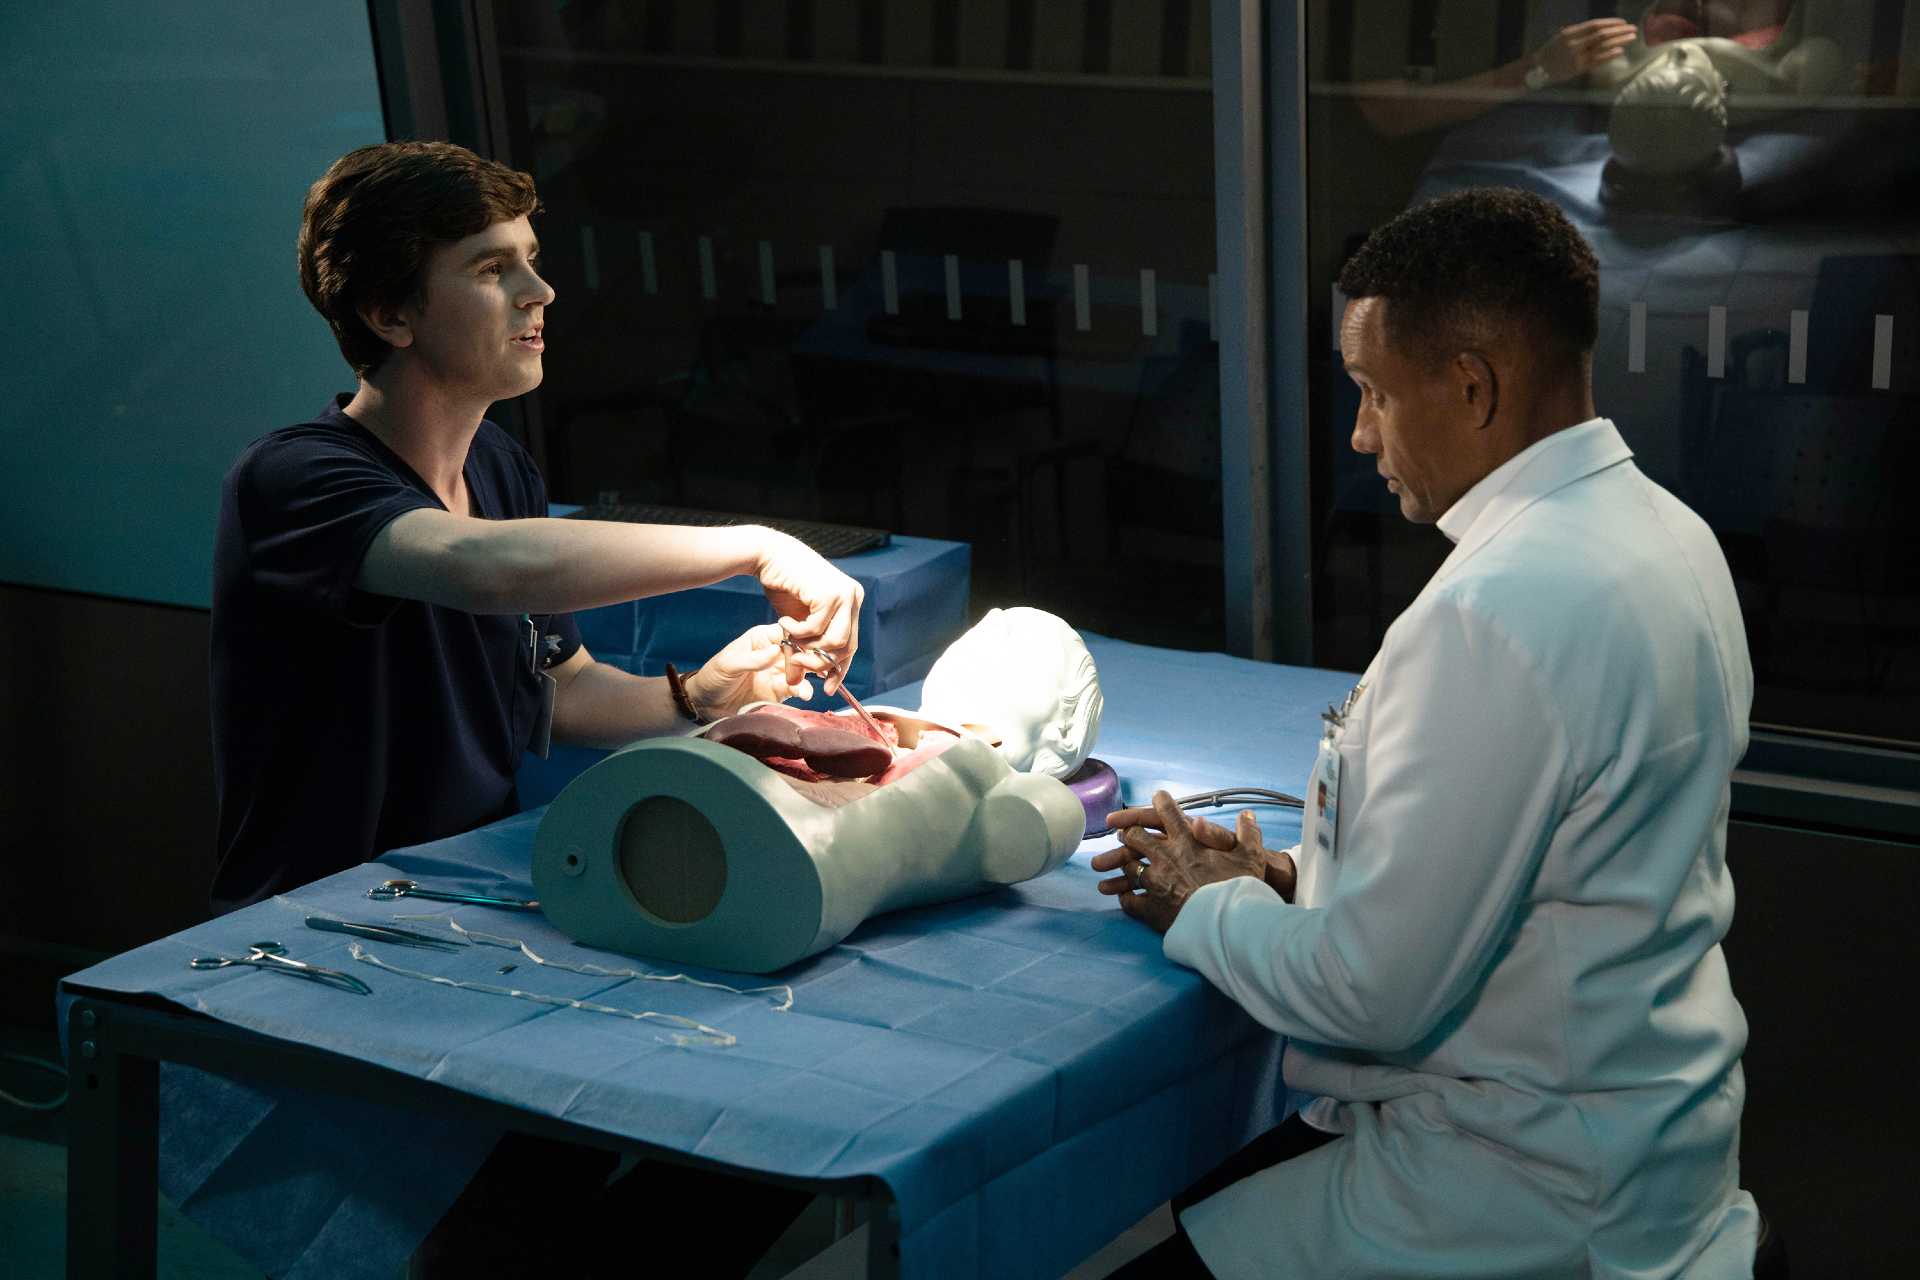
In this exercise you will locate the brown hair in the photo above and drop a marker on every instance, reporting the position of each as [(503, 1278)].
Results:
[(375, 216)]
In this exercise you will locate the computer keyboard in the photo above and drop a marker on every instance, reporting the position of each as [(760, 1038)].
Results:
[(830, 540)]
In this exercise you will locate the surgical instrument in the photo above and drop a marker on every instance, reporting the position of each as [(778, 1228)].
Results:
[(272, 957), (388, 890), (873, 726), (385, 933)]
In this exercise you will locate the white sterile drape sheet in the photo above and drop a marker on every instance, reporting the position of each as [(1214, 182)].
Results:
[(1506, 983)]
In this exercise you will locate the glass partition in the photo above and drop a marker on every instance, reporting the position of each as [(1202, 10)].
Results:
[(942, 269), (152, 165), (1760, 268)]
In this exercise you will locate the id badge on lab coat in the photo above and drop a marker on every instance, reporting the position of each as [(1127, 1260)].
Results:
[(1320, 823)]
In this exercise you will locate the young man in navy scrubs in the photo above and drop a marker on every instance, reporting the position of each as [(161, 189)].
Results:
[(391, 624), (390, 602)]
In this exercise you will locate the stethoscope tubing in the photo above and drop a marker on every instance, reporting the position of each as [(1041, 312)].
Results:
[(1221, 798)]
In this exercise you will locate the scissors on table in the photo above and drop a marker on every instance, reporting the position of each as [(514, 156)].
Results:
[(272, 957), (388, 890)]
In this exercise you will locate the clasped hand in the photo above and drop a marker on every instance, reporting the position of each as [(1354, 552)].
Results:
[(1160, 872)]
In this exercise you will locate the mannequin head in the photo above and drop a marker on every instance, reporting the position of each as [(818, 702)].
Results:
[(1671, 117), (1027, 677)]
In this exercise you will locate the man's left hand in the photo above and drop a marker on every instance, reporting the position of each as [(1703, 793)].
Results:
[(1160, 872), (818, 606)]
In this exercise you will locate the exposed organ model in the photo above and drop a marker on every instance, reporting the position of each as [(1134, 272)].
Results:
[(776, 832)]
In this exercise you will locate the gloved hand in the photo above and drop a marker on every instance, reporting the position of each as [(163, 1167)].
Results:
[(752, 668), (818, 607)]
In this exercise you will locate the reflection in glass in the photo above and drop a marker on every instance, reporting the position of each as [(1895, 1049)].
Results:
[(1745, 174), (935, 268)]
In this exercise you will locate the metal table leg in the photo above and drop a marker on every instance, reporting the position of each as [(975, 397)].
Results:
[(113, 1152), (883, 1239)]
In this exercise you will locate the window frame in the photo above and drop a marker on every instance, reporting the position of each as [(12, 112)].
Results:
[(439, 72), (1810, 780)]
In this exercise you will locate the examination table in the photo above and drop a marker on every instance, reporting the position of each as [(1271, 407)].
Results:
[(1007, 1081)]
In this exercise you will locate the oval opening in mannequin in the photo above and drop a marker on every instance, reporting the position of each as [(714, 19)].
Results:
[(672, 860)]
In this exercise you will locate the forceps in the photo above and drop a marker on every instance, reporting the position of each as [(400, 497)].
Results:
[(388, 890), (272, 956), (384, 933), (866, 719)]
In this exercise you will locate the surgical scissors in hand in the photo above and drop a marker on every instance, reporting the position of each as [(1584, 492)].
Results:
[(388, 890), (273, 957), (835, 669)]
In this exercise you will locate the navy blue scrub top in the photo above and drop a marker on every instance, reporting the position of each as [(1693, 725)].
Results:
[(344, 723)]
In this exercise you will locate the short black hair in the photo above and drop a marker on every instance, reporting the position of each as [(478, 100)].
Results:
[(376, 214), (1486, 257)]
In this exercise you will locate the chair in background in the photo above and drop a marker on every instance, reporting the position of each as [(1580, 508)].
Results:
[(723, 434), (917, 386), (1152, 511), (1794, 480)]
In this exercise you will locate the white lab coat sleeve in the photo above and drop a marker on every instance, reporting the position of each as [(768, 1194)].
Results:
[(1464, 781)]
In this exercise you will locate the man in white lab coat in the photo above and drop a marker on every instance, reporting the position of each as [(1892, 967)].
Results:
[(1500, 971)]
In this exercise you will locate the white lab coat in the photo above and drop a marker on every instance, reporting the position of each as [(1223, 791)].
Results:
[(1507, 981)]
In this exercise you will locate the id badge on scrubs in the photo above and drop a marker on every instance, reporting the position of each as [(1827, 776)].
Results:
[(1320, 824), (542, 741)]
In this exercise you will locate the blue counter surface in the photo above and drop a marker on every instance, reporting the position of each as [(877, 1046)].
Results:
[(1024, 1069)]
